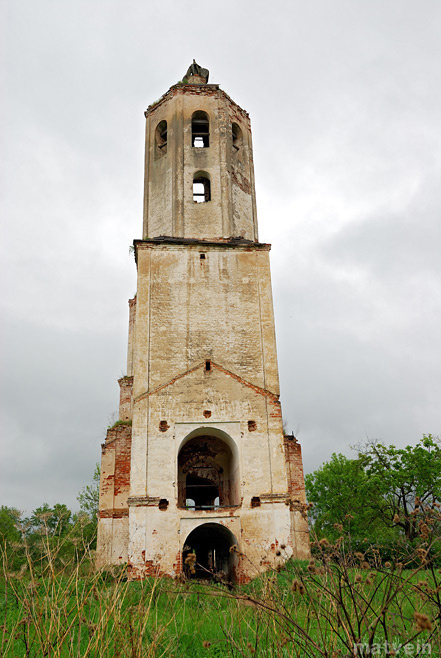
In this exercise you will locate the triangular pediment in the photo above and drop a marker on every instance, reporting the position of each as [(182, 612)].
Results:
[(215, 367)]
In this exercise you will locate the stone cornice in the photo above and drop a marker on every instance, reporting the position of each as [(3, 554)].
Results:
[(143, 501), (240, 244)]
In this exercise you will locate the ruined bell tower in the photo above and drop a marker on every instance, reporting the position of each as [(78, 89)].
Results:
[(198, 462)]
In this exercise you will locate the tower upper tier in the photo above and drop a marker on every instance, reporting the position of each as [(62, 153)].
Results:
[(199, 173)]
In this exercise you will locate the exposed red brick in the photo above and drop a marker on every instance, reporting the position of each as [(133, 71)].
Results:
[(293, 458), (113, 513), (119, 440)]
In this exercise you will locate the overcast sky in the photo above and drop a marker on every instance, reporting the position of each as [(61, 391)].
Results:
[(345, 104)]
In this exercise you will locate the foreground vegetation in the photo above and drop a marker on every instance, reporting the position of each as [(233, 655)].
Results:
[(372, 586), (339, 604)]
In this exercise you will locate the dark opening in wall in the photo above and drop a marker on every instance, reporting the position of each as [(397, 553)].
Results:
[(201, 187), (163, 504), (161, 138), (252, 427), (163, 426), (207, 365), (208, 474), (212, 546), (237, 136), (200, 130), (202, 256), (255, 501)]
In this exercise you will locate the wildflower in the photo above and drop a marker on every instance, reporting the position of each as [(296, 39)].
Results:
[(206, 644), (338, 526), (387, 565), (422, 553), (365, 565), (424, 529), (368, 581), (251, 648), (359, 555), (297, 586), (323, 542), (422, 622), (348, 517), (358, 578)]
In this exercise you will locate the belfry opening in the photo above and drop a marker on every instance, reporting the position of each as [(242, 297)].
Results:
[(208, 472), (198, 464)]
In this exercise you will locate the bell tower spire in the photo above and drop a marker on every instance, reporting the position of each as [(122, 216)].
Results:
[(199, 173)]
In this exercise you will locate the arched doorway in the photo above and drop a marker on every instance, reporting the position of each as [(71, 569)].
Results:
[(208, 474), (214, 560)]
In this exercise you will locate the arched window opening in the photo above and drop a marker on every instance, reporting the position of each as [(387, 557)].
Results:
[(200, 130), (161, 137), (208, 474), (203, 490), (208, 554), (201, 187), (237, 136)]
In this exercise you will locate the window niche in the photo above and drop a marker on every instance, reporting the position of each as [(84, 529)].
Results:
[(201, 187), (161, 138), (200, 130), (237, 137)]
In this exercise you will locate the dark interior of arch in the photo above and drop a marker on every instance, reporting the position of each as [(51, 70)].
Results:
[(211, 543), (205, 476)]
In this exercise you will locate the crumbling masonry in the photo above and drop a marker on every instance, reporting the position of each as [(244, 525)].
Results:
[(199, 462)]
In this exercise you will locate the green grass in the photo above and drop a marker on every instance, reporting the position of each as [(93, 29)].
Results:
[(53, 604), (89, 614)]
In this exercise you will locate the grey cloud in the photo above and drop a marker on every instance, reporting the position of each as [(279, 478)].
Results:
[(345, 104)]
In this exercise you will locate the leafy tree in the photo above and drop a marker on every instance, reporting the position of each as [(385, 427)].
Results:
[(50, 521), (89, 496), (10, 518), (405, 478), (11, 540), (378, 494), (339, 490)]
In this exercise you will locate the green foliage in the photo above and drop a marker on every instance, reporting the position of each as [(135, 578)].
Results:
[(376, 496), (117, 423), (90, 494), (325, 607), (49, 521), (10, 535), (404, 478), (339, 490), (9, 518)]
